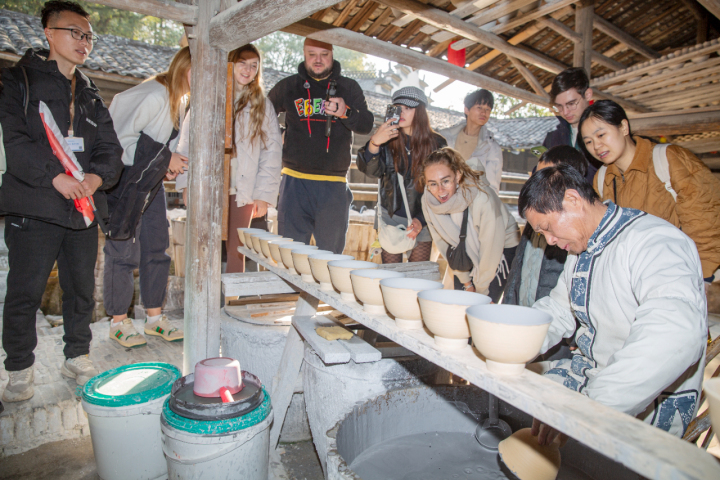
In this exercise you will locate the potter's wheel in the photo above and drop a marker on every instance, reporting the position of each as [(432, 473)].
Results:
[(186, 404)]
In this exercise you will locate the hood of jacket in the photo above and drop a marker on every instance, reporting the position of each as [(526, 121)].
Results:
[(452, 133)]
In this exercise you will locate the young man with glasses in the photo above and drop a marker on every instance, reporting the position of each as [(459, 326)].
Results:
[(42, 225), (570, 95)]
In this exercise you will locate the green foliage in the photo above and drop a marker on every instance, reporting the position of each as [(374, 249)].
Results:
[(110, 21), (284, 51), (504, 103)]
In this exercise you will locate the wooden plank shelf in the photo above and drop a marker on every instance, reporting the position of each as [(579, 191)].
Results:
[(642, 448)]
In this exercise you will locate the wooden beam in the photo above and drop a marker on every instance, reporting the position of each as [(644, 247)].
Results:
[(252, 19), (166, 9), (606, 62), (443, 20), (205, 192), (502, 9), (530, 78), (359, 19), (677, 123), (560, 28), (713, 6), (623, 37), (514, 108), (371, 46), (345, 13), (626, 104), (582, 52), (546, 9), (377, 23)]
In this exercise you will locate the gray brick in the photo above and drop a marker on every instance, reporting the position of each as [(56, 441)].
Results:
[(69, 416), (54, 419), (23, 430), (39, 422), (82, 416), (7, 430)]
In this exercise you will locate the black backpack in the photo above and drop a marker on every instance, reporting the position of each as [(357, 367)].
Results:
[(138, 186)]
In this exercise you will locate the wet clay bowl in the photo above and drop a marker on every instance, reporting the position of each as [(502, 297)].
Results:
[(400, 296), (443, 313), (243, 233), (265, 247), (256, 241), (301, 263), (250, 234), (366, 286), (340, 276), (274, 246), (319, 268), (508, 336), (212, 374), (286, 254), (712, 390), (527, 459)]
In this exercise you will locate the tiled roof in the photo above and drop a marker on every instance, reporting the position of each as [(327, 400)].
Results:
[(111, 54)]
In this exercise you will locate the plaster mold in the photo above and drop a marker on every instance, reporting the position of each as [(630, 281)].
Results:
[(319, 268), (366, 286), (508, 336), (443, 312), (301, 263), (400, 296), (340, 276)]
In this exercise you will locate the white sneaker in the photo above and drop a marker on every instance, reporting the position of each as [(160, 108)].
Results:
[(20, 386), (80, 368), (126, 335), (163, 328)]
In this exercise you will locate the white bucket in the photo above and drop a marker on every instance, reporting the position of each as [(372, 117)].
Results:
[(241, 454), (127, 441)]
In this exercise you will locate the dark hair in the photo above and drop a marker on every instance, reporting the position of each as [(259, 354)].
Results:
[(545, 190), (570, 78), (53, 8), (565, 155), (479, 97), (422, 143), (606, 111)]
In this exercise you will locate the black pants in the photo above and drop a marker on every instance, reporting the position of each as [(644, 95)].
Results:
[(313, 207), (33, 247)]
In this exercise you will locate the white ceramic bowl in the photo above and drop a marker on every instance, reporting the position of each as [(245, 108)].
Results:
[(243, 233), (400, 296), (249, 236), (286, 255), (712, 390), (340, 276), (319, 268), (508, 336), (274, 246), (212, 374), (301, 263), (443, 312), (366, 286), (264, 248), (256, 241)]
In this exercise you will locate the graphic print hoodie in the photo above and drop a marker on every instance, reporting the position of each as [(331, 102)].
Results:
[(306, 148)]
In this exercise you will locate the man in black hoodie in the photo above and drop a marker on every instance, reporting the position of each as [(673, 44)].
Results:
[(314, 195), (42, 224)]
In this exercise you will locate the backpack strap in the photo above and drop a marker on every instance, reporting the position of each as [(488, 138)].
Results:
[(26, 99), (601, 180), (662, 167)]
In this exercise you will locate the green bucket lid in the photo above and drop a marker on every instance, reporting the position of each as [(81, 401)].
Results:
[(217, 427), (131, 384)]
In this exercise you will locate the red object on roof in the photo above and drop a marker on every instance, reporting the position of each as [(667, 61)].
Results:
[(456, 57)]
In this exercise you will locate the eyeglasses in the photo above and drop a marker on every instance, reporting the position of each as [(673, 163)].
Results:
[(569, 106), (445, 184), (79, 35)]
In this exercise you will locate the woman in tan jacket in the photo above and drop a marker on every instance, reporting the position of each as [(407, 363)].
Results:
[(630, 179)]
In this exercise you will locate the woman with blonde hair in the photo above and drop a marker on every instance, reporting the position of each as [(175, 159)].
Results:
[(257, 150), (155, 108), (470, 225)]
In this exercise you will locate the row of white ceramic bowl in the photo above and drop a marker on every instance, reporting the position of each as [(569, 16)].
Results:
[(507, 336)]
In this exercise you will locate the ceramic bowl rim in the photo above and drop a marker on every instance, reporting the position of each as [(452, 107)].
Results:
[(509, 315), (389, 283), (298, 251), (465, 297), (371, 272), (277, 241), (337, 263), (320, 256), (298, 247)]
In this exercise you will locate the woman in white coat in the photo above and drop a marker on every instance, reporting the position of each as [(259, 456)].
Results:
[(257, 151), (156, 108), (458, 198)]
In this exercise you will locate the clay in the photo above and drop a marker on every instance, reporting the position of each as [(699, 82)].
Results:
[(443, 312), (319, 268), (244, 234), (301, 263), (334, 333), (266, 248), (400, 297), (529, 460), (340, 276), (256, 241), (366, 286), (286, 256), (274, 246)]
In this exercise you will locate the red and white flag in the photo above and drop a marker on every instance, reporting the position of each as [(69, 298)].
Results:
[(67, 158)]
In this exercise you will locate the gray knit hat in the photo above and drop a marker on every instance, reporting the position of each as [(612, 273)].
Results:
[(410, 97)]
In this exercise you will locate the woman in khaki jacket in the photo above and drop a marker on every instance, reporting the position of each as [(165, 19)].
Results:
[(630, 179)]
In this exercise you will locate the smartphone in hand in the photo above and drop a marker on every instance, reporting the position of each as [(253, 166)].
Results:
[(393, 112)]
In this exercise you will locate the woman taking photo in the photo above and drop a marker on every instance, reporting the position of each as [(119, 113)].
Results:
[(156, 108), (630, 179), (399, 149), (257, 151), (459, 200)]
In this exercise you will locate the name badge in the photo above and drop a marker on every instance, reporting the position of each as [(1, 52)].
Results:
[(76, 144)]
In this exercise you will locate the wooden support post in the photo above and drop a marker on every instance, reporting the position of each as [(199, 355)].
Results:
[(205, 188), (530, 78), (582, 53), (713, 6)]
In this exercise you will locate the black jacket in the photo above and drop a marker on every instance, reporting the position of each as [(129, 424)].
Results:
[(306, 147), (27, 189), (562, 136), (381, 165)]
